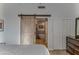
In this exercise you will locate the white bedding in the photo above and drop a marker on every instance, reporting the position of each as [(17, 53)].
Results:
[(23, 50)]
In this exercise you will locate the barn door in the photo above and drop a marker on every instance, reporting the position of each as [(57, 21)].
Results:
[(27, 30)]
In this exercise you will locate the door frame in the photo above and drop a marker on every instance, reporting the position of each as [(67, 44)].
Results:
[(39, 15)]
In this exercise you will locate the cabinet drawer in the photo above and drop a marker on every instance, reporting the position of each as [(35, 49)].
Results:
[(74, 42), (76, 52), (70, 50)]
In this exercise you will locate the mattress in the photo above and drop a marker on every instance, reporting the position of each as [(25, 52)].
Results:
[(23, 50)]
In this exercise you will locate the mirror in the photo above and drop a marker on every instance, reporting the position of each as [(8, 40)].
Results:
[(77, 28)]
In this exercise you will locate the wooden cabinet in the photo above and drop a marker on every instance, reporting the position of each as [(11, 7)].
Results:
[(72, 45)]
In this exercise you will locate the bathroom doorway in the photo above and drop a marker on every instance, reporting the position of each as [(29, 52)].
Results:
[(42, 31), (34, 30)]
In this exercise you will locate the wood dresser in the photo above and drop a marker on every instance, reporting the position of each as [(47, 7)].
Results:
[(72, 45)]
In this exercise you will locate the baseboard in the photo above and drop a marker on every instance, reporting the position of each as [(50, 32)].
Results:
[(56, 49), (59, 49), (50, 49)]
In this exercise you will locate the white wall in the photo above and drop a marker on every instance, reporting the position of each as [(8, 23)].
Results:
[(60, 24), (1, 18), (12, 22)]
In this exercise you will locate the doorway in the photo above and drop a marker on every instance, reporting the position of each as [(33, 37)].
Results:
[(34, 30), (42, 31)]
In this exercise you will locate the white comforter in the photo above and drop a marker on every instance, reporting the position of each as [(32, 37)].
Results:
[(23, 50)]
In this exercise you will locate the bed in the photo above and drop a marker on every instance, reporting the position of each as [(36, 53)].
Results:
[(23, 50)]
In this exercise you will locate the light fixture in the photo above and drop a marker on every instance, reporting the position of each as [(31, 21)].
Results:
[(41, 6)]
